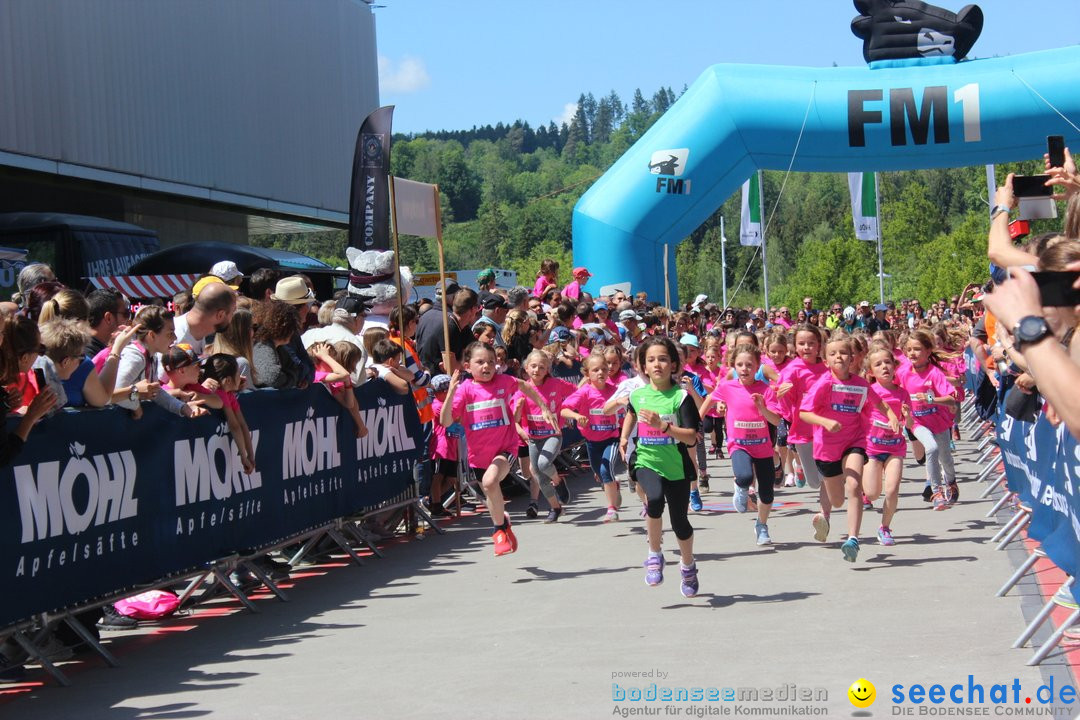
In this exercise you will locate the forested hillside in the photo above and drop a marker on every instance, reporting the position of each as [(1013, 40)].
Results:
[(508, 192)]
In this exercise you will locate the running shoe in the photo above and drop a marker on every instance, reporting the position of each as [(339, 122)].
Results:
[(532, 511), (800, 480), (553, 515), (1064, 598), (939, 501), (689, 587), (955, 432), (562, 492), (761, 530), (611, 515), (654, 570), (740, 499), (952, 445), (510, 534), (789, 480), (821, 527), (503, 544), (850, 548), (884, 536), (952, 493), (695, 501), (866, 504), (703, 483), (927, 493)]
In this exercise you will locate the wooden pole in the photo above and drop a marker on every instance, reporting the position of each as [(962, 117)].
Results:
[(397, 273), (449, 363)]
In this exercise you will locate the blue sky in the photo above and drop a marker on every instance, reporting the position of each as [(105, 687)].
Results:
[(450, 65)]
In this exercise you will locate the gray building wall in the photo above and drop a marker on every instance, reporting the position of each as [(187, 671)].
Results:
[(251, 103)]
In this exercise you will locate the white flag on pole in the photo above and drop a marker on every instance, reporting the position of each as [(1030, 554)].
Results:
[(414, 208), (864, 205), (750, 227)]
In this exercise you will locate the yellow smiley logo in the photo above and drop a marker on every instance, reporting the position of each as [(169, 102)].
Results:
[(862, 693)]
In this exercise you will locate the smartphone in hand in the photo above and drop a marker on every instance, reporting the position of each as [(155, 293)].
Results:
[(1056, 288), (1055, 148)]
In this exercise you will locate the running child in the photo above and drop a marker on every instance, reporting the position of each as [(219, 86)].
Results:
[(886, 449), (777, 357), (838, 406), (666, 419), (748, 417), (601, 430), (543, 442), (932, 406), (801, 373), (617, 403), (712, 422), (482, 403)]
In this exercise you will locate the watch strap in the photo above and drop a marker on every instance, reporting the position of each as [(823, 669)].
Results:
[(998, 209)]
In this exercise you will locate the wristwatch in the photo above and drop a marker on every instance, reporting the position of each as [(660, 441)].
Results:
[(998, 209), (133, 393), (1030, 329)]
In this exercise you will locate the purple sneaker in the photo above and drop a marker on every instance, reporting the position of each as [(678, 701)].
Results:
[(689, 581), (654, 570)]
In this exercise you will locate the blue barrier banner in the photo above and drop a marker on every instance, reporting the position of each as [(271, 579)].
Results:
[(1060, 500), (98, 502)]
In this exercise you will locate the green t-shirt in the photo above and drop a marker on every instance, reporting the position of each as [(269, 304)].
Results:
[(656, 450)]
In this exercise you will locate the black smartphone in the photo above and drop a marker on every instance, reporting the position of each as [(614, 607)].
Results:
[(39, 375), (1055, 148), (1031, 186), (1056, 288)]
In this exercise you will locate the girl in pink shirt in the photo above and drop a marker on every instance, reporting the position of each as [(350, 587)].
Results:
[(838, 406), (547, 277), (712, 421), (801, 374), (601, 430), (542, 441), (483, 405), (778, 358), (886, 449), (748, 416), (444, 451), (932, 405)]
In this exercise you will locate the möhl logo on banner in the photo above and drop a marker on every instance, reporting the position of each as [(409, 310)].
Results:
[(310, 446), (211, 467)]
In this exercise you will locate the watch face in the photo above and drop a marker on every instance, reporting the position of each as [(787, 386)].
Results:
[(1031, 328)]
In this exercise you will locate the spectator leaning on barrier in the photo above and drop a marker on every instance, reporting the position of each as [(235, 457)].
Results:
[(296, 290), (39, 406), (346, 323), (62, 343), (238, 340), (109, 309), (137, 376), (211, 313), (274, 367)]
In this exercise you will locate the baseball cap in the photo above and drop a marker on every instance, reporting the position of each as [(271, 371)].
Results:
[(628, 315), (203, 282), (559, 334), (880, 307), (689, 339), (352, 305), (700, 299), (582, 271), (451, 288), (598, 306), (864, 303), (494, 302), (440, 383), (227, 271), (485, 275)]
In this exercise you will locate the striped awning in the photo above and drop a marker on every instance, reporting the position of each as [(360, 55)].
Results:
[(146, 286)]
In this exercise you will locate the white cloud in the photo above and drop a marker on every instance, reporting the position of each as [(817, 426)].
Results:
[(407, 76), (568, 111)]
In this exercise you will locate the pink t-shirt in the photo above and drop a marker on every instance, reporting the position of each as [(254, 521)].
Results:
[(589, 401), (709, 379), (485, 411), (934, 418), (442, 447), (553, 392), (322, 370), (879, 437), (802, 377), (572, 290), (747, 428), (847, 401), (539, 286)]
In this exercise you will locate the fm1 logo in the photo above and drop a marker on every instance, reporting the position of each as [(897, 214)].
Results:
[(669, 165), (925, 119)]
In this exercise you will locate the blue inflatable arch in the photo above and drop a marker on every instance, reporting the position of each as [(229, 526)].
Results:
[(736, 119)]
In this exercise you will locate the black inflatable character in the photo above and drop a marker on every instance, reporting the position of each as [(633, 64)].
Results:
[(911, 30), (665, 167)]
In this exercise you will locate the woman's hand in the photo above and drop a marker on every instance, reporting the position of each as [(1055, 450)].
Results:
[(123, 337), (1015, 298), (42, 403), (148, 390)]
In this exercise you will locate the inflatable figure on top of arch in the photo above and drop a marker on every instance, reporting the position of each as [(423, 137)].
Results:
[(919, 104)]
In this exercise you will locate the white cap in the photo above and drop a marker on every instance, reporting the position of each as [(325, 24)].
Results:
[(227, 271)]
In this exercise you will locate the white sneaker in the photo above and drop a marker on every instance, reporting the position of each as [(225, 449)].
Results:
[(741, 499), (789, 480), (611, 516)]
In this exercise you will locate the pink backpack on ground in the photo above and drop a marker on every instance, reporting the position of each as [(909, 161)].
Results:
[(149, 605)]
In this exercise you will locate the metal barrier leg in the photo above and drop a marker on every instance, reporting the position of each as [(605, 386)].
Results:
[(1008, 526), (1021, 572), (306, 548), (222, 576), (993, 486), (1015, 531), (423, 513), (338, 538), (980, 432), (1039, 619), (987, 470), (90, 640), (32, 650), (1000, 503), (362, 538), (1054, 639), (192, 587), (264, 578)]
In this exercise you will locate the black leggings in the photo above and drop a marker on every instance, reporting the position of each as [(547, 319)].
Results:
[(677, 495), (714, 426), (745, 467)]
